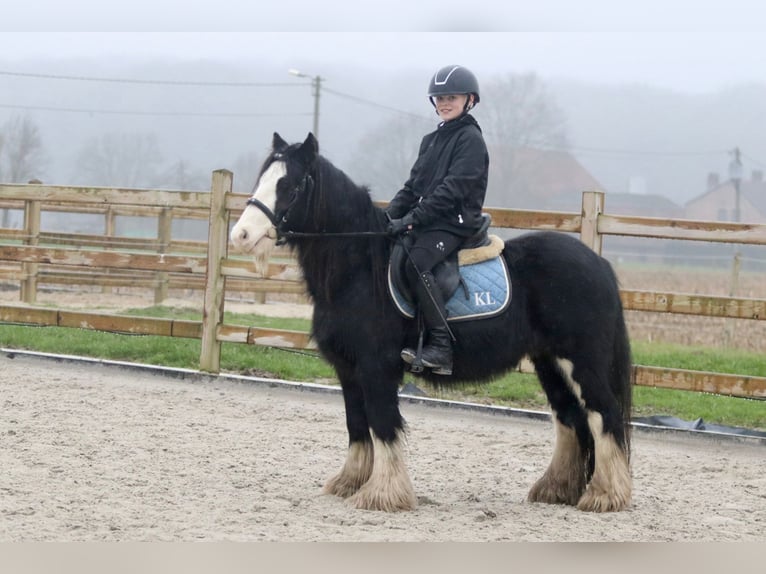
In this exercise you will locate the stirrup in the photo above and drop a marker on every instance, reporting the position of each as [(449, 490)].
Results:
[(417, 365), (412, 358), (408, 355), (439, 369)]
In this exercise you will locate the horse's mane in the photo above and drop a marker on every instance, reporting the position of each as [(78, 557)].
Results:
[(337, 204)]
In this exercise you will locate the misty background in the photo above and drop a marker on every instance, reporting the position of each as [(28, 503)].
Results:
[(165, 110)]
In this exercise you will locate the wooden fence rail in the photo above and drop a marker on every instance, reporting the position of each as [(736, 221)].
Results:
[(161, 262)]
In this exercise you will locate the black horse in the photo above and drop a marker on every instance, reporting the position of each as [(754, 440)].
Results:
[(565, 315)]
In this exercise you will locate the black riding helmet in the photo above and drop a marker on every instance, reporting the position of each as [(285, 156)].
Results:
[(453, 80)]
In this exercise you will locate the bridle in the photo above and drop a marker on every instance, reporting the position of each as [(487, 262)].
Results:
[(280, 219)]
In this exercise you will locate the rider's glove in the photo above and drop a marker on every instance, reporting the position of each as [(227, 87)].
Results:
[(399, 226)]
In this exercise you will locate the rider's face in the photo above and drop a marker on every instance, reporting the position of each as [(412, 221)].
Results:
[(450, 106)]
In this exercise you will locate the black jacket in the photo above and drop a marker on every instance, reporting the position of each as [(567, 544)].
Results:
[(448, 181)]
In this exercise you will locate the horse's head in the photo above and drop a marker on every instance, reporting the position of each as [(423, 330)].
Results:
[(275, 202)]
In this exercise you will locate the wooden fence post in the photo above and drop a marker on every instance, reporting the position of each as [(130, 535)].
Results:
[(736, 265), (592, 207), (164, 229), (109, 229), (217, 248), (731, 324), (29, 270)]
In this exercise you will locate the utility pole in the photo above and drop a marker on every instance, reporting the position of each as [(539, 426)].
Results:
[(316, 89), (735, 174), (316, 84)]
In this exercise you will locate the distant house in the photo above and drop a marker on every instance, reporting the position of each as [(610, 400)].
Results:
[(719, 202), (638, 204), (528, 178), (644, 205)]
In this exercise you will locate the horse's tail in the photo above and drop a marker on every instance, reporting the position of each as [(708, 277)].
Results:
[(620, 371)]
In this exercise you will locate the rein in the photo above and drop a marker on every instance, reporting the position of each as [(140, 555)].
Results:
[(332, 233), (278, 222)]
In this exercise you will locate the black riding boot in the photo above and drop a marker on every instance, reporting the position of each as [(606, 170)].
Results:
[(437, 352)]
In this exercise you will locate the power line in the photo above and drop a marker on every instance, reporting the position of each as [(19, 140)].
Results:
[(642, 152), (350, 97), (373, 104), (150, 82), (150, 113), (544, 146), (753, 160), (187, 83)]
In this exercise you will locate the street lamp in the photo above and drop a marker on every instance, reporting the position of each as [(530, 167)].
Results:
[(735, 175), (316, 84)]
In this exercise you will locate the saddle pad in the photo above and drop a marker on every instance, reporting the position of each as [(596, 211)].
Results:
[(489, 292)]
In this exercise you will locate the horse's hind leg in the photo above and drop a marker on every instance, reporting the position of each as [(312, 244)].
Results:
[(359, 457), (565, 479), (610, 486)]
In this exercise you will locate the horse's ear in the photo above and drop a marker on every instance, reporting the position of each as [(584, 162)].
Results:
[(309, 149), (312, 142), (277, 143)]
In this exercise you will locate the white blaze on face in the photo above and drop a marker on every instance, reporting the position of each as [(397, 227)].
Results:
[(251, 234)]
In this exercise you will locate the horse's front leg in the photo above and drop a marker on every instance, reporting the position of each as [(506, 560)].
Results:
[(359, 457), (389, 487)]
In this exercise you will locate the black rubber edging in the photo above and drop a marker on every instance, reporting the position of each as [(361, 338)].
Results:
[(195, 375)]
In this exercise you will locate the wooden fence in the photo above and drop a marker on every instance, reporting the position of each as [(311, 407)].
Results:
[(30, 255)]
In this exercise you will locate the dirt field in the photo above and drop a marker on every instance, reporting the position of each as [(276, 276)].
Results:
[(749, 335), (101, 453)]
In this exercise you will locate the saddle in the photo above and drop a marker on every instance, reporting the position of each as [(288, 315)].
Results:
[(474, 280)]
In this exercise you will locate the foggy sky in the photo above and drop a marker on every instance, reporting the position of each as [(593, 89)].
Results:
[(685, 61), (685, 45), (688, 47)]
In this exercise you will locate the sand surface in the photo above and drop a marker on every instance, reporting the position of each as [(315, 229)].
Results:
[(91, 452)]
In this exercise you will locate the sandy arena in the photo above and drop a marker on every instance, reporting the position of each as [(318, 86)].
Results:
[(91, 452)]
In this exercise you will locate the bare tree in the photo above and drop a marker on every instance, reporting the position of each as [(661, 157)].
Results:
[(181, 175), (21, 154), (246, 168), (120, 160), (385, 155), (21, 149), (519, 110), (5, 219), (521, 122)]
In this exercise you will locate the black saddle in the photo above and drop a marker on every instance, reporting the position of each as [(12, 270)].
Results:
[(446, 273)]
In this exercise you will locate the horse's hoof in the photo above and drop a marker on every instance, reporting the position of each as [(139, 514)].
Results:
[(341, 488), (342, 492), (598, 501), (364, 499), (549, 493)]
